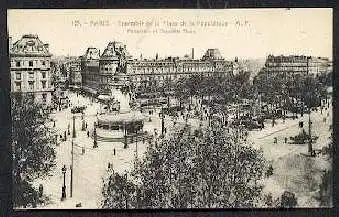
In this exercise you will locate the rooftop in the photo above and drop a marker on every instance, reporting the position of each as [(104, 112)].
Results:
[(30, 45), (121, 117)]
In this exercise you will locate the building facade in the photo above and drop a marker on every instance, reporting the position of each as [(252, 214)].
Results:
[(73, 68), (116, 68), (30, 68), (90, 70), (113, 66), (297, 65)]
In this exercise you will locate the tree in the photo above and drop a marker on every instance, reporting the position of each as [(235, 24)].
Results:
[(288, 199), (181, 91), (117, 192), (33, 151), (213, 169)]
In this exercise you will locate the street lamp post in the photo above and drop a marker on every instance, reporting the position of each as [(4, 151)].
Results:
[(74, 133), (63, 188), (83, 126), (95, 142), (136, 143), (71, 168), (162, 122), (310, 150), (125, 136), (65, 136), (56, 140)]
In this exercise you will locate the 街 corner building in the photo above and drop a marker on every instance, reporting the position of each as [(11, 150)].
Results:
[(30, 69)]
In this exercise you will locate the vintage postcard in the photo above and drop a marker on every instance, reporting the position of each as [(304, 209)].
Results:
[(136, 109)]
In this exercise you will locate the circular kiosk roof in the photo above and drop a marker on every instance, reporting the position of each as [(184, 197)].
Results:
[(122, 117)]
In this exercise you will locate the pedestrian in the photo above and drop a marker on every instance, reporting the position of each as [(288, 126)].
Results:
[(114, 151), (275, 139), (86, 125), (87, 133), (41, 190), (285, 139)]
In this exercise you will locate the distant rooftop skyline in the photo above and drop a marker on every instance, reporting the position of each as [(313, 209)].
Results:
[(249, 33)]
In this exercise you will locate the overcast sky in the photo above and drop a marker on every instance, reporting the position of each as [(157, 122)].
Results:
[(263, 31)]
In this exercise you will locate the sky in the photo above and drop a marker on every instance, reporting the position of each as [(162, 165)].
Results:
[(245, 33)]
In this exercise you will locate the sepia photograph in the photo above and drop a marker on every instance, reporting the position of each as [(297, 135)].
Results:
[(171, 108)]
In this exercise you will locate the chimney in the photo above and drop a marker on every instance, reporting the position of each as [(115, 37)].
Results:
[(10, 43), (47, 47), (192, 53)]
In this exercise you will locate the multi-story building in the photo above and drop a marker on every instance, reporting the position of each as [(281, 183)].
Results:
[(118, 69), (113, 66), (73, 68), (90, 70), (297, 65), (30, 68)]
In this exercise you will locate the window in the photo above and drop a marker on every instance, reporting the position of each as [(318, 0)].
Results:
[(31, 75), (18, 86), (114, 127), (18, 76), (44, 97), (43, 84), (43, 74), (30, 63), (31, 96), (30, 85), (17, 64), (43, 62)]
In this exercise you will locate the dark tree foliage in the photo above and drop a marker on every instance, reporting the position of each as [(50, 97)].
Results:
[(206, 169), (307, 88), (223, 88), (288, 199), (33, 151)]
